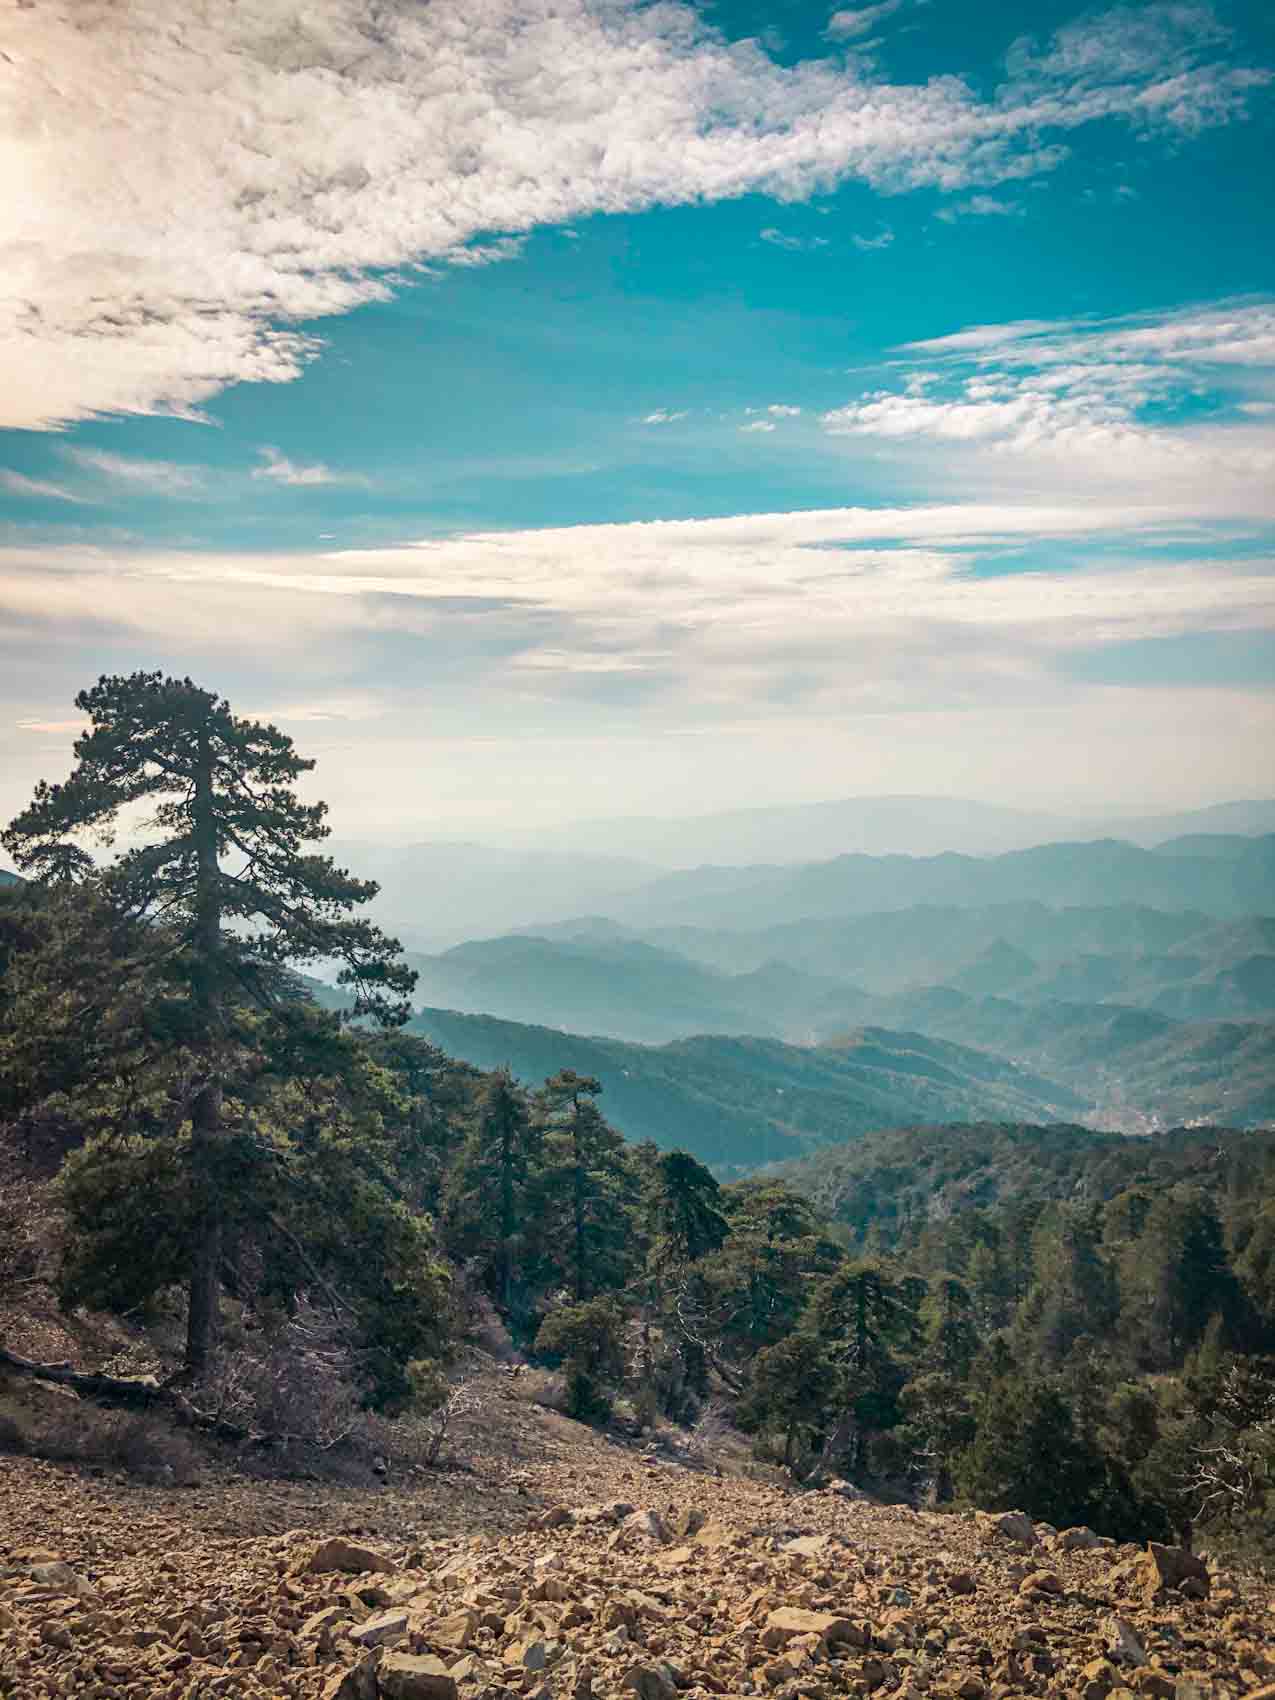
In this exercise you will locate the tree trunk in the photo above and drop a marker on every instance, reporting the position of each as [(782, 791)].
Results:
[(578, 1208), (506, 1210), (206, 1129)]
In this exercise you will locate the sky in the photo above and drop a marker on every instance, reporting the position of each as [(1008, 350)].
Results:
[(546, 409)]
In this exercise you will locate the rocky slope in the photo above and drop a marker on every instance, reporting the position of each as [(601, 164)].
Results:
[(558, 1564)]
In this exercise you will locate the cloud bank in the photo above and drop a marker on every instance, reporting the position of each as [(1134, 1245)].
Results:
[(191, 182)]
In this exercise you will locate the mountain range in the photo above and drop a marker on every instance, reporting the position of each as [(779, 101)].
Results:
[(821, 860), (738, 1103), (878, 826), (807, 980)]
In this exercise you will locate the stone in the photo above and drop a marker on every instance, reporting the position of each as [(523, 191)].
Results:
[(337, 1553), (384, 1627), (1167, 1568), (1079, 1539), (1015, 1526), (458, 1630), (1041, 1582), (961, 1583), (1154, 1683), (529, 1653), (647, 1524), (807, 1546), (788, 1622), (414, 1676), (650, 1682), (687, 1522), (1124, 1644), (64, 1579), (356, 1683)]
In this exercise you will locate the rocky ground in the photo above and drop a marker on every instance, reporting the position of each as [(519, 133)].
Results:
[(557, 1564)]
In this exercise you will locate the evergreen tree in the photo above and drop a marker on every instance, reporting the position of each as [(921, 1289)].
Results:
[(228, 880), (585, 1185), (1027, 1456), (486, 1193)]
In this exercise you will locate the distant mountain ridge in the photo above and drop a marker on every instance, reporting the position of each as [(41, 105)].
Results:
[(438, 894), (884, 825), (737, 1103), (804, 981), (1237, 880)]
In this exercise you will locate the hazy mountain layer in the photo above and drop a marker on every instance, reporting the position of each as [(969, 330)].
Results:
[(1238, 878), (911, 969), (738, 1103), (879, 826), (436, 895)]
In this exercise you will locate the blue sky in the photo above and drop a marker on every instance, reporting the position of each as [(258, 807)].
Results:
[(550, 409)]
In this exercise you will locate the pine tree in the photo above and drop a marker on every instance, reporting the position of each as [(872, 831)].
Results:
[(486, 1193), (585, 1182), (226, 882)]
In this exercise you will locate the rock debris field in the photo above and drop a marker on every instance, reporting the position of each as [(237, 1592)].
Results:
[(558, 1565)]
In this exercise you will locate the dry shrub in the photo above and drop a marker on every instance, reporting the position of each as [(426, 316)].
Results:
[(543, 1387), (288, 1382)]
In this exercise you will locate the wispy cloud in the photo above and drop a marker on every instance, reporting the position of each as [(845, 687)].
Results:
[(873, 244), (278, 469), (159, 477), (783, 410), (388, 136), (663, 416), (793, 244), (1143, 399), (38, 489), (759, 425), (981, 206), (852, 22)]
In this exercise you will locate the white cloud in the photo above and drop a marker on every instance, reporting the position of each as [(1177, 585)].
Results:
[(783, 410), (1142, 403), (910, 632), (161, 477), (280, 470), (759, 425), (981, 206), (871, 244), (855, 21), (39, 489), (663, 416), (793, 244), (190, 181)]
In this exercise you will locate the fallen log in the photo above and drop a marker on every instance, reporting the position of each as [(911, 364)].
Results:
[(139, 1395)]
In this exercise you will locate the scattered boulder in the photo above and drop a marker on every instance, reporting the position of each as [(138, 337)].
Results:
[(1079, 1539), (650, 1682), (338, 1553), (1124, 1644), (377, 1631), (1041, 1582), (1165, 1569), (1015, 1526), (414, 1676), (788, 1622), (647, 1524)]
